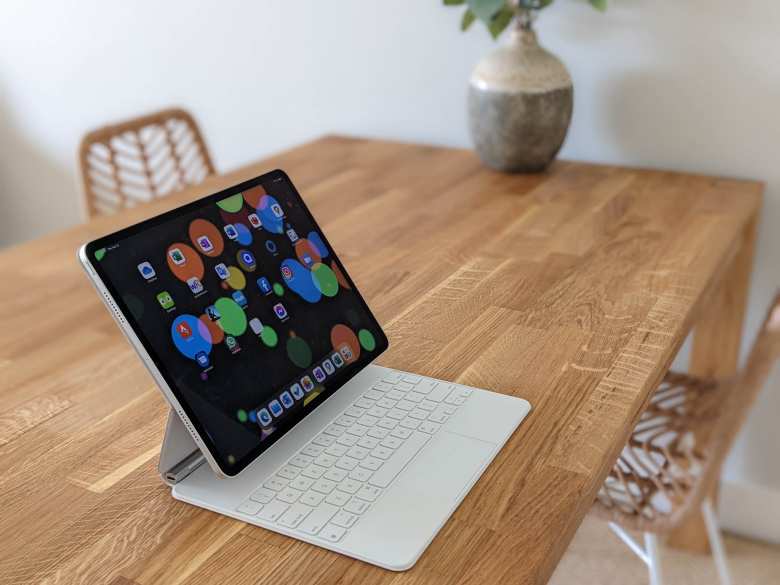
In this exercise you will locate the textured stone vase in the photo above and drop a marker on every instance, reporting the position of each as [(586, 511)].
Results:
[(520, 105)]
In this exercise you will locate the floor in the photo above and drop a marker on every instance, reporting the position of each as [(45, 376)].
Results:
[(597, 557)]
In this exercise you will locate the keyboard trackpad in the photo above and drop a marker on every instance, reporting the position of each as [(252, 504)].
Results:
[(421, 499)]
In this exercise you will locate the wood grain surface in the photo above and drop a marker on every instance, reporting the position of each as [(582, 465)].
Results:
[(574, 289)]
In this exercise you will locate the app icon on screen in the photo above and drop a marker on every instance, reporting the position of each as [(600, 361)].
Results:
[(205, 244), (287, 400), (277, 210), (184, 330), (165, 299), (319, 375), (195, 285), (254, 220), (264, 285), (256, 326), (287, 273), (232, 344), (296, 391), (212, 313), (230, 231), (327, 365), (264, 417), (275, 408), (146, 270), (307, 384), (280, 311), (346, 352), (239, 297), (177, 257), (293, 235), (247, 260), (307, 259), (336, 359), (202, 358), (270, 246), (222, 271)]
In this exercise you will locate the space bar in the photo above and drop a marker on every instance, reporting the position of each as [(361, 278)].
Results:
[(398, 461)]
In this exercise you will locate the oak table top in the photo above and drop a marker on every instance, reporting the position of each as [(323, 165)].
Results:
[(573, 289)]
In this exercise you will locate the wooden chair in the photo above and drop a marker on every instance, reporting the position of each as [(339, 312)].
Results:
[(142, 159), (675, 454)]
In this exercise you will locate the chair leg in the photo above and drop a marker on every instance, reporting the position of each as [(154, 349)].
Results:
[(716, 542), (653, 558)]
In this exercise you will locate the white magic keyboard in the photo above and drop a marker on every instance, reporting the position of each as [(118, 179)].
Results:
[(326, 487)]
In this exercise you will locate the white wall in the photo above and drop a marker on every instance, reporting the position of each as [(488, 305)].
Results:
[(690, 84)]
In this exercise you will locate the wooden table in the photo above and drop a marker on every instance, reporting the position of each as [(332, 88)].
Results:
[(573, 289)]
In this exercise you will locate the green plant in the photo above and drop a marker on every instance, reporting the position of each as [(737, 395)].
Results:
[(497, 14)]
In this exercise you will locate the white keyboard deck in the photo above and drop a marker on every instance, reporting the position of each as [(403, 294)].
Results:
[(325, 488)]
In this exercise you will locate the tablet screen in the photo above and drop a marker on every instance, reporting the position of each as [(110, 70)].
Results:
[(245, 309)]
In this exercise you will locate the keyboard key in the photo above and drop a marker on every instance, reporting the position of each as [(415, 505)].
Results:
[(368, 442), (449, 409), (396, 414), (385, 403), (360, 474), (324, 486), (364, 402), (373, 394), (336, 450), (332, 533), (301, 483), (392, 442), (357, 429), (378, 433), (313, 450), (377, 412), (455, 398), (324, 440), (275, 483), (438, 393), (368, 421), (347, 463), (249, 507), (383, 386), (438, 417), (315, 521), (289, 472), (350, 486), (428, 427), (427, 405), (369, 493), (325, 460), (405, 405), (399, 460), (289, 495), (411, 378), (301, 461), (354, 412), (401, 433), (404, 386), (465, 392), (273, 510), (348, 440), (334, 430), (410, 423), (292, 517), (262, 495), (419, 414), (393, 377), (387, 423), (415, 397), (358, 452), (345, 519), (313, 499), (395, 394), (335, 474), (425, 386), (382, 453), (356, 506), (371, 463), (314, 471), (345, 421), (338, 498)]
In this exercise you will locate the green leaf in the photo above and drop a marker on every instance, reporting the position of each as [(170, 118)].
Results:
[(454, 2), (485, 10), (500, 21), (468, 19), (599, 4)]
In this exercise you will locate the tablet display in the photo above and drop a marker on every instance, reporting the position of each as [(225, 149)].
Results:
[(246, 310)]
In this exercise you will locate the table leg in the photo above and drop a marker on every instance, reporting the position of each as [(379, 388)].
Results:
[(715, 353)]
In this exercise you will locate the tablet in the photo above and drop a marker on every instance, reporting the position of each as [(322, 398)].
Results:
[(242, 308)]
